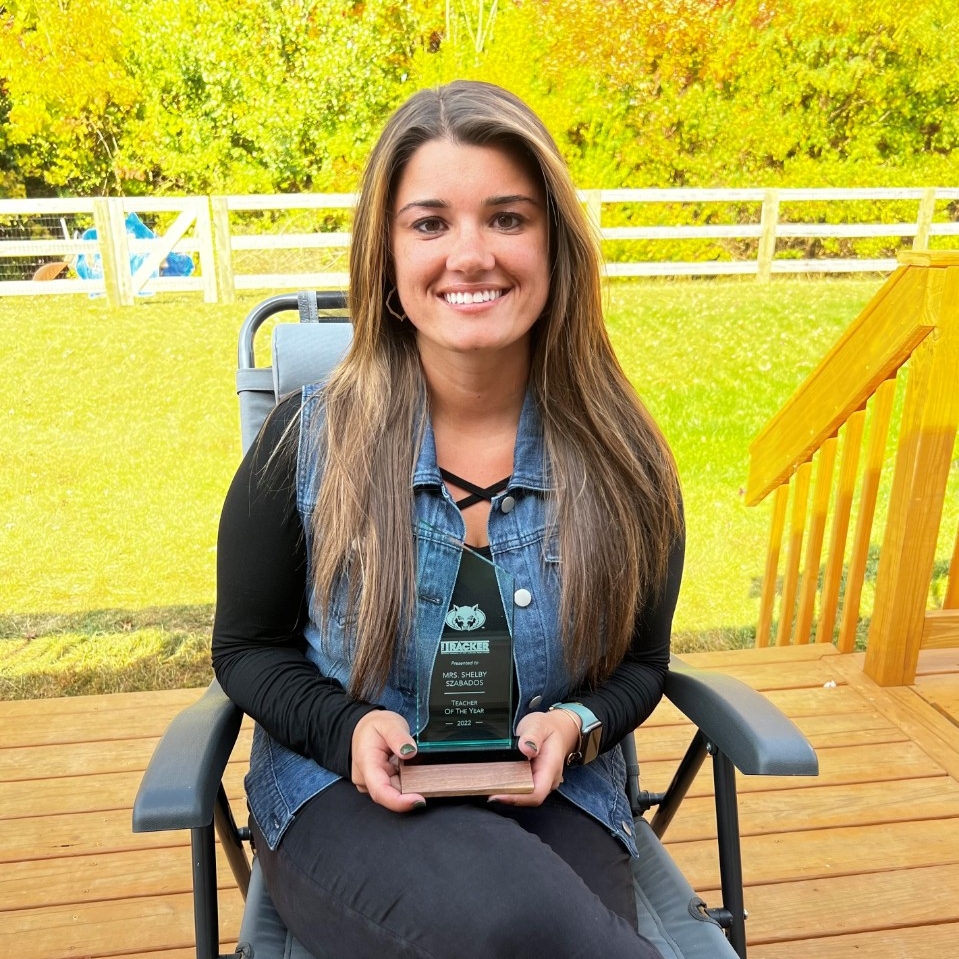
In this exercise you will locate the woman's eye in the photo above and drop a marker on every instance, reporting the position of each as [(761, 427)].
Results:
[(431, 224), (507, 221)]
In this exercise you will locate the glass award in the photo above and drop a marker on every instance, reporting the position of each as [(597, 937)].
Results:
[(466, 745)]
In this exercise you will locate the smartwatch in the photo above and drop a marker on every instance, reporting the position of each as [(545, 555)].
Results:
[(590, 733)]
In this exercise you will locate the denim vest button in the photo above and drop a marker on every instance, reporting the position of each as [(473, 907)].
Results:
[(507, 505), (522, 597), (535, 701), (627, 828)]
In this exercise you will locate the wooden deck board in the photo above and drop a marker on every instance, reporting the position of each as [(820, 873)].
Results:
[(94, 793), (669, 742), (891, 763), (848, 851), (936, 941), (117, 925), (57, 882), (863, 861), (942, 690), (861, 804), (795, 703), (879, 898)]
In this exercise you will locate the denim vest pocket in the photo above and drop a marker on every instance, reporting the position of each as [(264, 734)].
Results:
[(340, 606), (279, 782), (599, 789)]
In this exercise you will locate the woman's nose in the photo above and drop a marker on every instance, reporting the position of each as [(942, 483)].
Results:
[(470, 252)]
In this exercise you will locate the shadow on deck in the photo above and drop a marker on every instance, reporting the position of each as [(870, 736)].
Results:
[(863, 861)]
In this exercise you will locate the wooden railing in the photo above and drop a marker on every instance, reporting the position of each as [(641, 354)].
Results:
[(912, 324)]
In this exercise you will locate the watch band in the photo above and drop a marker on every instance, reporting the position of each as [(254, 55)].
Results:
[(590, 733)]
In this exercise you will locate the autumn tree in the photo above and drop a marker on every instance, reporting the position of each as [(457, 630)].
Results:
[(731, 92), (851, 91), (287, 95), (248, 95), (70, 93), (10, 182)]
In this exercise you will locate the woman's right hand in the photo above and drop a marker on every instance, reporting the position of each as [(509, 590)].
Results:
[(380, 739)]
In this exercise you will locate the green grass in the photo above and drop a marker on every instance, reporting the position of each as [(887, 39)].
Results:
[(120, 437), (104, 651)]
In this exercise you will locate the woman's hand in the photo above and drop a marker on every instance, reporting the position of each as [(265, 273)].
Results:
[(380, 739), (546, 739)]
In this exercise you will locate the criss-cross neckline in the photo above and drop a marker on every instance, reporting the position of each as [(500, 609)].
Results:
[(477, 493)]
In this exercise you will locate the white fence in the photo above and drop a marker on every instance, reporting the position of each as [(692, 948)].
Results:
[(112, 247), (300, 241)]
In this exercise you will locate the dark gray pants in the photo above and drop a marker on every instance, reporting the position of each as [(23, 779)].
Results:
[(459, 879)]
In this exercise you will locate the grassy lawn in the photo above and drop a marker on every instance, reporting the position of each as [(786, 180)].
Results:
[(120, 437)]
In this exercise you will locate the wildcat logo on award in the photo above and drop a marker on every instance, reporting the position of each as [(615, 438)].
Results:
[(465, 618)]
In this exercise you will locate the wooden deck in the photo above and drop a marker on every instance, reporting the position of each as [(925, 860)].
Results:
[(861, 862)]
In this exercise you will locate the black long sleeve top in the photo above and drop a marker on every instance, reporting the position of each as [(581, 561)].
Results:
[(258, 641)]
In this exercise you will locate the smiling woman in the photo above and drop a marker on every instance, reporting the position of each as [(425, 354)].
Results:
[(470, 250), (480, 365)]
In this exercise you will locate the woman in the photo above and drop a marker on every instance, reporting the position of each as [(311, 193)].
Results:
[(480, 362)]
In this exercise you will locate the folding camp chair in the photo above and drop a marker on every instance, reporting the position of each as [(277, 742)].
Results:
[(738, 727)]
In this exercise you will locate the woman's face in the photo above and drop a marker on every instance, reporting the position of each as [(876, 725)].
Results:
[(470, 249)]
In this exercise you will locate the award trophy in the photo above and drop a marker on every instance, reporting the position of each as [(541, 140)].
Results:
[(466, 746)]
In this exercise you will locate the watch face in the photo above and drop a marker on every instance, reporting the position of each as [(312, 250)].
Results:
[(590, 748), (591, 730)]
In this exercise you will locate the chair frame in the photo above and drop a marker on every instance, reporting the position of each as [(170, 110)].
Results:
[(738, 727)]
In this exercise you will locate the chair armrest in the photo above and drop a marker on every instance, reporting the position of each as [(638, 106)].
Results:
[(179, 787), (758, 739)]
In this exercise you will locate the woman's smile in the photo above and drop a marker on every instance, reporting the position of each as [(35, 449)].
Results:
[(470, 297)]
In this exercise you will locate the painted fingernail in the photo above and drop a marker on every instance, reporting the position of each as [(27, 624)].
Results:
[(419, 804), (532, 745), (406, 749)]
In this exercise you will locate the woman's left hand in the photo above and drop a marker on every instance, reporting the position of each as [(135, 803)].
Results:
[(546, 739)]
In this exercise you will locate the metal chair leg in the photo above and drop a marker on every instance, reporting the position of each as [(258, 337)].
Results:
[(730, 854), (205, 912)]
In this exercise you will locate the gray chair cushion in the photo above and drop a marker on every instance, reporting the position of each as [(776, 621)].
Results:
[(669, 912), (262, 933), (255, 391), (306, 352), (302, 353)]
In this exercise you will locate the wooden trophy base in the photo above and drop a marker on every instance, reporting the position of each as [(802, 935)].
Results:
[(431, 780)]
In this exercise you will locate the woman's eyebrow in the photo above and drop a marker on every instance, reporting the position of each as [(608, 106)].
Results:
[(435, 204), (510, 198), (423, 205)]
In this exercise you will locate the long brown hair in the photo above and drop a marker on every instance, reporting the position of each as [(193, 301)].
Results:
[(610, 467)]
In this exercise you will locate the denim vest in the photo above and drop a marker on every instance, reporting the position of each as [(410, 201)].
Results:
[(281, 781)]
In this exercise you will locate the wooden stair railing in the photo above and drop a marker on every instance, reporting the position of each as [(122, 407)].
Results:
[(831, 438)]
